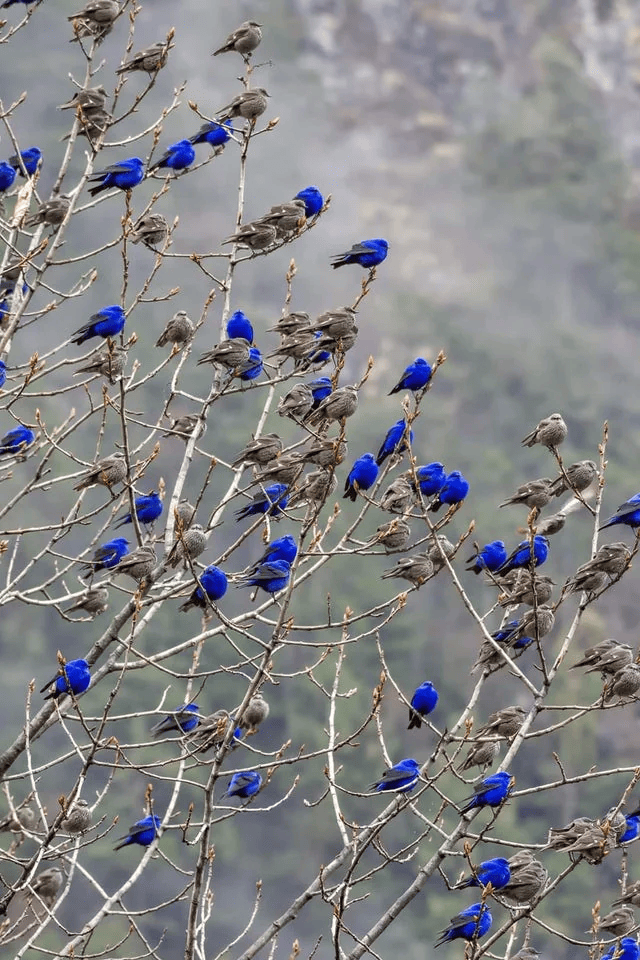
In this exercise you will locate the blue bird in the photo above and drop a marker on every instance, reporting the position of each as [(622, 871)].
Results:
[(626, 949), (107, 555), (105, 323), (244, 785), (239, 325), (315, 356), (415, 377), (213, 586), (124, 175), (521, 556), (473, 922), (178, 156), (252, 367), (148, 508), (270, 577), (30, 159), (394, 442), (7, 175), (627, 513), (368, 253), (506, 634), (491, 557), (320, 390), (3, 374), (313, 200), (10, 3), (632, 829), (401, 778), (214, 133), (363, 474), (423, 702), (496, 872), (272, 501), (453, 490), (490, 792), (183, 719), (143, 832), (282, 548), (16, 440), (73, 678), (431, 476)]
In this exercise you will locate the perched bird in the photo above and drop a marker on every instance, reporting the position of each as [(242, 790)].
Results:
[(239, 325), (534, 493), (291, 323), (73, 678), (243, 40), (179, 330), (490, 557), (368, 253), (395, 441), (453, 491), (480, 754), (213, 730), (579, 475), (143, 832), (31, 160), (340, 404), (182, 720), (185, 425), (78, 818), (48, 884), (16, 440), (260, 451), (255, 713), (423, 702), (470, 924), (416, 569), (548, 526), (633, 828), (124, 175), (94, 122), (244, 785), (286, 469), (229, 353), (628, 513), (312, 199), (286, 218), (148, 508), (106, 556), (528, 878), (526, 953), (490, 792), (51, 212), (3, 373), (108, 362), (325, 453), (607, 658), (254, 236), (550, 432), (611, 558), (315, 487), (362, 476), (106, 472), (415, 377), (178, 156), (336, 323), (297, 403), (393, 535), (631, 895), (534, 623), (88, 97), (618, 922), (249, 105), (150, 60), (401, 778), (624, 683), (272, 501), (497, 872), (212, 587), (94, 602), (527, 589), (398, 496), (184, 512), (138, 564), (627, 949), (321, 387), (97, 16), (152, 230), (107, 322), (7, 176), (214, 132), (188, 547), (270, 577), (252, 367), (521, 556), (588, 581), (24, 819), (430, 478)]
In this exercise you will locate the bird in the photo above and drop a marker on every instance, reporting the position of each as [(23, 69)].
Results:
[(627, 949), (106, 556), (214, 132), (94, 602), (138, 564), (593, 655), (400, 778), (340, 404), (243, 40), (29, 159), (423, 702), (628, 513), (367, 253), (73, 678), (624, 683), (282, 548), (470, 924), (261, 450), (148, 508), (151, 230), (528, 878), (252, 367), (271, 577), (87, 97), (631, 895), (24, 819), (97, 15), (239, 325), (616, 658), (254, 236), (550, 432), (94, 121), (78, 817), (440, 548), (579, 476), (480, 754), (633, 827), (362, 476), (143, 832), (106, 472), (184, 426), (534, 623), (108, 362), (212, 586), (16, 440), (618, 922), (554, 523), (291, 323), (497, 872), (490, 792), (589, 581), (178, 156), (271, 501), (527, 589), (184, 513), (188, 547), (336, 324), (286, 218), (7, 176), (51, 212), (453, 491), (534, 493), (286, 469), (229, 353), (312, 199), (124, 175), (244, 784), (398, 497), (415, 377), (395, 441), (48, 884), (490, 557), (255, 713), (321, 387), (314, 488), (611, 558), (521, 556), (183, 719), (3, 373), (249, 105), (416, 569), (179, 330), (107, 322), (150, 60), (297, 403), (393, 535), (430, 477)]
